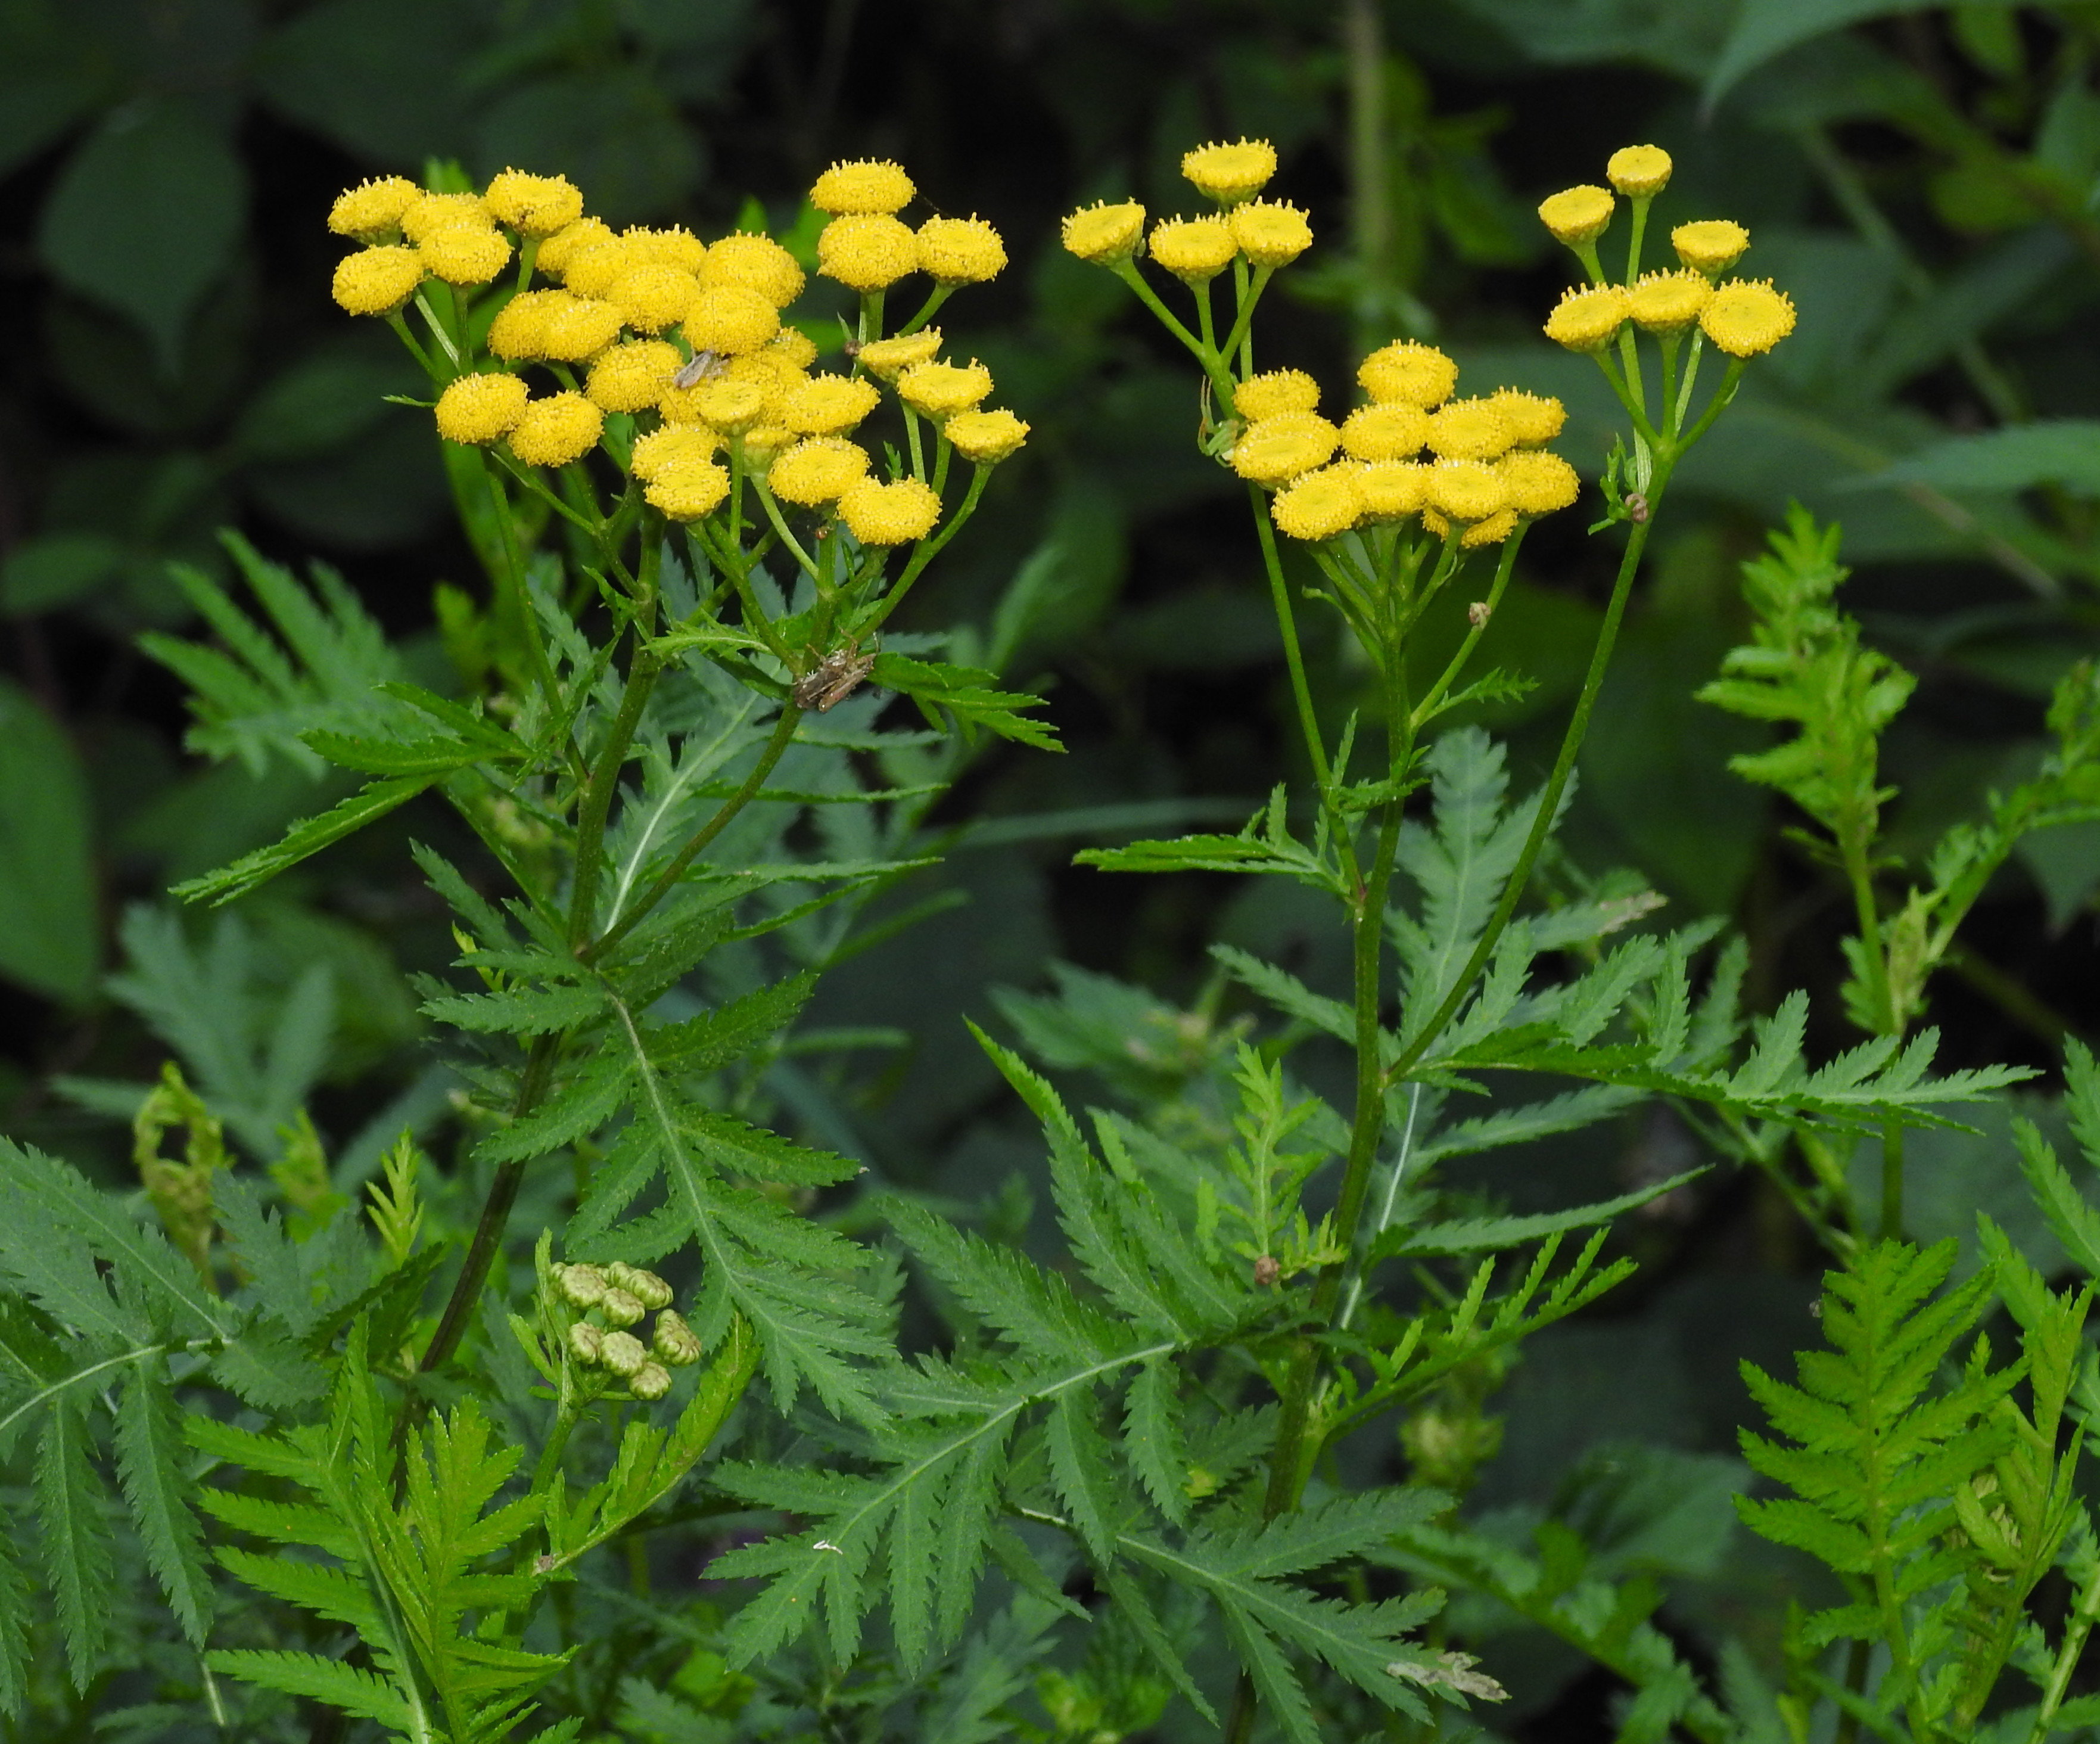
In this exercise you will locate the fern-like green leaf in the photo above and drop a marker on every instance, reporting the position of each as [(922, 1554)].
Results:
[(355, 1691), (150, 1465), (72, 1518)]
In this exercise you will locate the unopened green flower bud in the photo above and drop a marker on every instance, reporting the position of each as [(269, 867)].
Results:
[(581, 1285), (676, 1342), (586, 1343), (652, 1381), (645, 1287), (621, 1307), (623, 1353)]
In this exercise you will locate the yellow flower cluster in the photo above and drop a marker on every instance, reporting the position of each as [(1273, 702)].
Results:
[(1267, 233)]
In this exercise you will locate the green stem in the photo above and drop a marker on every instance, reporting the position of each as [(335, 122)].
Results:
[(927, 310), (911, 439), (1693, 360), (780, 526), (1427, 708), (2076, 1628), (604, 783), (1221, 381), (1641, 203), (526, 476), (514, 565), (1236, 339), (926, 551), (406, 336)]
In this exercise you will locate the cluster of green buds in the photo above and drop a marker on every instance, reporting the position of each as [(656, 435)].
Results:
[(613, 1300)]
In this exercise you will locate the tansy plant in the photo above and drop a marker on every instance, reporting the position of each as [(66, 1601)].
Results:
[(1136, 1490)]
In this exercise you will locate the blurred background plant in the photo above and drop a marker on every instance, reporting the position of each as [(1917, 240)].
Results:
[(1922, 178)]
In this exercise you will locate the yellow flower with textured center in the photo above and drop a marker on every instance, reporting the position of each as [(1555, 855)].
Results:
[(1391, 490), (377, 281), (867, 186), (731, 407), (594, 269), (775, 374), (1274, 449), (889, 358), (1746, 316), (792, 347), (675, 444), (1710, 245), (985, 438), (536, 205), (1469, 430), (754, 263), (631, 377), (1106, 235), (520, 326), (818, 471), (1587, 317), (1394, 431), (829, 405), (1467, 490), (1194, 249), (579, 329), (1577, 215), (1640, 172), (1537, 482), (939, 391), (570, 240), (1271, 232), (555, 431), (481, 409), (959, 250), (1318, 504), (1408, 371), (372, 208), (1534, 418), (1230, 174), (892, 514), (687, 489), (1274, 392), (674, 247), (866, 253), (1669, 301), (1493, 531), (763, 441), (428, 214), (730, 321), (653, 298), (464, 255)]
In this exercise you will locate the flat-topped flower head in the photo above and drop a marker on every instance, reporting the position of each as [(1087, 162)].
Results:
[(372, 208), (1746, 316), (755, 263), (519, 329), (829, 405), (1230, 174), (889, 358), (762, 442), (673, 445), (818, 471), (1275, 450), (675, 247), (653, 297), (1274, 392), (1391, 490), (1318, 504), (775, 375), (1271, 232), (1668, 302), (481, 409), (1534, 419), (1538, 481), (579, 329), (940, 391), (1465, 490), (867, 252), (1575, 215), (687, 489), (594, 267), (1104, 234), (553, 431), (464, 255), (631, 377), (959, 250), (892, 514), (570, 240), (1469, 430), (534, 205), (792, 346), (1393, 430), (1587, 317), (729, 321), (376, 280), (985, 438), (731, 407), (1710, 245), (1194, 249), (1493, 531), (1640, 172), (1409, 371), (428, 214), (868, 185)]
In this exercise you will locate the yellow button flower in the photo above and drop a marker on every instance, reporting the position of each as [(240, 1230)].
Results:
[(687, 489), (1274, 392), (869, 186), (1318, 504), (763, 441), (372, 208), (481, 409), (1467, 490), (555, 431), (631, 377), (1711, 245), (985, 438), (428, 214), (653, 298), (1538, 482), (729, 321), (939, 391), (889, 358), (579, 329), (570, 240), (892, 514), (1639, 171), (1587, 317), (754, 263), (520, 328), (675, 247), (1747, 317), (1406, 370), (829, 405), (593, 269), (1273, 450), (959, 250), (1669, 301), (1493, 531), (867, 252), (674, 445), (818, 471), (777, 376), (536, 205), (464, 255), (1104, 234), (1391, 490), (1577, 215), (1533, 418), (1230, 174), (792, 347), (729, 407), (1469, 430), (379, 280), (1194, 249), (1271, 232), (1394, 431)]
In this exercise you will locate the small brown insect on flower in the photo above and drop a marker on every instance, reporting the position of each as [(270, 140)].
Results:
[(1478, 613), (1266, 1271), (701, 367), (832, 679)]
